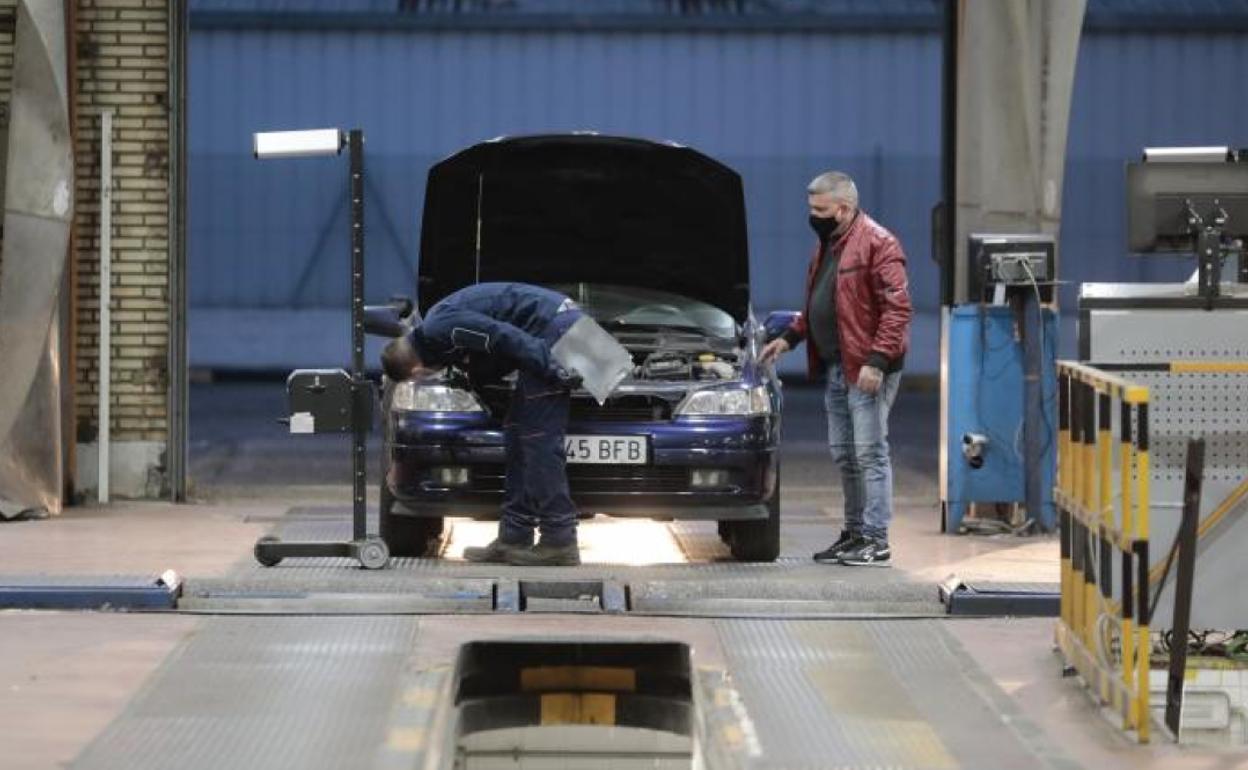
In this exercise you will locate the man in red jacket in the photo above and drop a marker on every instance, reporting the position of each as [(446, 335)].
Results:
[(856, 327)]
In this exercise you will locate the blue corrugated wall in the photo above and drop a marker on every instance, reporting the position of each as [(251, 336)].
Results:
[(777, 106)]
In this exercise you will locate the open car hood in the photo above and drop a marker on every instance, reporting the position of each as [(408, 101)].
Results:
[(586, 208)]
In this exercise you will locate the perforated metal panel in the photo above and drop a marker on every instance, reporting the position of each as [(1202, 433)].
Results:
[(1184, 406), (1209, 406)]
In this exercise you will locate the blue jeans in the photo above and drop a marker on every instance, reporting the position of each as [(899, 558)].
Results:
[(858, 438), (535, 489)]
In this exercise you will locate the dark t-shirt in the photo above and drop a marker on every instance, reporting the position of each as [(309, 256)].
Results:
[(821, 325)]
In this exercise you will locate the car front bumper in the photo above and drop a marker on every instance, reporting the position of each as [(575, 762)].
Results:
[(743, 449)]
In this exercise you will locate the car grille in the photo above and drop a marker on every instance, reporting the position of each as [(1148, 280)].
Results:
[(621, 409), (608, 479), (627, 478)]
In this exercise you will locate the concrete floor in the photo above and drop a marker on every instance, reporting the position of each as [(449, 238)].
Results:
[(64, 676)]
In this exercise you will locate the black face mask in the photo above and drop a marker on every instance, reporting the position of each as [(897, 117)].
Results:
[(824, 227)]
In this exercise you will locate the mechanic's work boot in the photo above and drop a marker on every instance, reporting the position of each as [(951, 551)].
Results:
[(497, 552), (843, 545), (871, 552), (543, 555)]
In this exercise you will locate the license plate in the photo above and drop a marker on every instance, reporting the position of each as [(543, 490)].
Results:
[(615, 450)]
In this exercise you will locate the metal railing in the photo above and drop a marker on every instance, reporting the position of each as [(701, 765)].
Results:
[(1102, 512)]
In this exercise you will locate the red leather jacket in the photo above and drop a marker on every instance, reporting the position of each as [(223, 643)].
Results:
[(872, 301)]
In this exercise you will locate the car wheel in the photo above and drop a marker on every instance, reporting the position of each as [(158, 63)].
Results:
[(406, 535), (758, 539)]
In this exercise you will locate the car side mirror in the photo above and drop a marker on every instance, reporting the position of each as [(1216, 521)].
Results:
[(389, 320), (777, 321)]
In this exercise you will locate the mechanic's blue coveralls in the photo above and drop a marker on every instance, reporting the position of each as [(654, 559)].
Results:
[(514, 325)]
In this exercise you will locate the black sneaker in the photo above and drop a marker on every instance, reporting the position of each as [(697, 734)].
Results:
[(845, 543), (496, 552), (869, 553), (543, 555)]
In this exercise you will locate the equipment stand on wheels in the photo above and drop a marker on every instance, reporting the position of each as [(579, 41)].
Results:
[(331, 401)]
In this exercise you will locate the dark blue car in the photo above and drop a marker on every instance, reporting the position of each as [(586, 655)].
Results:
[(650, 239)]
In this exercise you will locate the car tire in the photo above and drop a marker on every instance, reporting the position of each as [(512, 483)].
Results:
[(406, 535), (757, 539)]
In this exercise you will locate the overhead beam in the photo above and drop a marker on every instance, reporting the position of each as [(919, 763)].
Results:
[(1096, 21)]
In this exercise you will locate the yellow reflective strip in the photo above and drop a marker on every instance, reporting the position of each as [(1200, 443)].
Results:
[(1208, 367), (616, 679), (1142, 500)]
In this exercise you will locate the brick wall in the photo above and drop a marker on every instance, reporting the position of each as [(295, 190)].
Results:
[(122, 51), (122, 63)]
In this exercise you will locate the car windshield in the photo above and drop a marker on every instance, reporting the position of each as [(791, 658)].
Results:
[(622, 306)]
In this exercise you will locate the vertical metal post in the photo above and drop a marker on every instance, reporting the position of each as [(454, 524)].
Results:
[(1063, 431), (1125, 527), (1183, 586), (1090, 566), (1034, 420), (1066, 532), (945, 243), (106, 294), (1143, 616), (1076, 500), (178, 386), (359, 385)]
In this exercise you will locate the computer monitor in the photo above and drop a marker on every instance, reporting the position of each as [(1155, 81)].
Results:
[(1011, 260), (1158, 193)]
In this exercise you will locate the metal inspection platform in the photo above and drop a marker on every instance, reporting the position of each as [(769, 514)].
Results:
[(334, 692), (319, 664)]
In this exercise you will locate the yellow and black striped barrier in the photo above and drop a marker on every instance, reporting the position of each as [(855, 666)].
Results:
[(1102, 513)]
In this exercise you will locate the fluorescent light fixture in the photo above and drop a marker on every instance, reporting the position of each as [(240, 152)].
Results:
[(297, 144), (1187, 154)]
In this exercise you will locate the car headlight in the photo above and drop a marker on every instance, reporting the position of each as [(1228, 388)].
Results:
[(415, 397), (746, 402)]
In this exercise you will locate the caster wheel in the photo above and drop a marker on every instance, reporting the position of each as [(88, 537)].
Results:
[(262, 555), (373, 554)]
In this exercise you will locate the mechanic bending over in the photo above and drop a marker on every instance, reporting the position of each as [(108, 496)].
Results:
[(856, 328), (496, 328)]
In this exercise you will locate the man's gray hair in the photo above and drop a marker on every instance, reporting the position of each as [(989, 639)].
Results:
[(838, 183)]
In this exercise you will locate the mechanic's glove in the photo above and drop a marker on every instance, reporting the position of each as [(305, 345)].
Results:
[(566, 378), (870, 379)]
